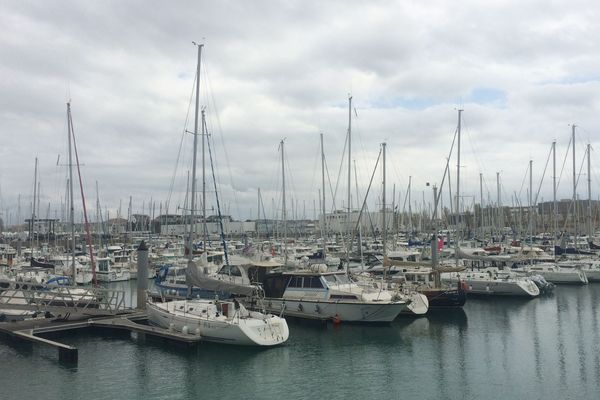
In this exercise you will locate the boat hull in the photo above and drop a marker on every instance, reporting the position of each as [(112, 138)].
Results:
[(417, 305), (496, 287), (445, 298), (269, 331), (338, 311)]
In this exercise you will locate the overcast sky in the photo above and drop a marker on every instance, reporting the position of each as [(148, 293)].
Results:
[(523, 71)]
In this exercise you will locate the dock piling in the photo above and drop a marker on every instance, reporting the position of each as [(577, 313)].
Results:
[(142, 278)]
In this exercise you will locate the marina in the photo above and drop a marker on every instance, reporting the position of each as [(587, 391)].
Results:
[(544, 348), (288, 200)]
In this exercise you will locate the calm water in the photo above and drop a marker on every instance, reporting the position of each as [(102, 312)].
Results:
[(547, 348)]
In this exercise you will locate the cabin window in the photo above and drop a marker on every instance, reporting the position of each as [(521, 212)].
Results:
[(343, 297), (232, 270), (296, 282), (313, 282), (103, 266), (342, 279)]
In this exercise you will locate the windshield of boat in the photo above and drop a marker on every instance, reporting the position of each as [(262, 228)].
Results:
[(232, 270), (339, 279)]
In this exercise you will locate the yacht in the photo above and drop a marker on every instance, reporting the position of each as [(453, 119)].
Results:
[(320, 295)]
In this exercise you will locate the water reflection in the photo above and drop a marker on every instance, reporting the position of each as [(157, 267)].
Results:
[(493, 349)]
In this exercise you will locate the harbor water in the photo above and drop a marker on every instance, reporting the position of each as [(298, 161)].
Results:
[(495, 348)]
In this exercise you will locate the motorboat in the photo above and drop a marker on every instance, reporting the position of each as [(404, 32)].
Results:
[(321, 295)]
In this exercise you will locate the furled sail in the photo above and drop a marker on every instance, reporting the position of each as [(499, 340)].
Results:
[(195, 276)]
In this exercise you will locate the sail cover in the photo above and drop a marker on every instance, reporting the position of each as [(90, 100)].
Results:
[(195, 276)]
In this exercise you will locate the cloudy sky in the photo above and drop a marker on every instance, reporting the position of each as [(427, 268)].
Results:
[(522, 71)]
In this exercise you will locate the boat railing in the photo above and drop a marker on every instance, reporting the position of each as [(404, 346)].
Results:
[(63, 299)]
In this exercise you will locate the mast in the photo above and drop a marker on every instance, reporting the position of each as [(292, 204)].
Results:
[(258, 215), (71, 205), (574, 190), (410, 224), (554, 205), (283, 213), (383, 219), (348, 223), (589, 171), (84, 207), (500, 212), (393, 213), (481, 205), (193, 194), (323, 208), (457, 236), (531, 204), (33, 207), (434, 241), (204, 230)]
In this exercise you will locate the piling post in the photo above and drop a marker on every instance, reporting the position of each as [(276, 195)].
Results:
[(68, 355), (142, 275)]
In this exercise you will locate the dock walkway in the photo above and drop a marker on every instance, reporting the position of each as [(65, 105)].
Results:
[(130, 321)]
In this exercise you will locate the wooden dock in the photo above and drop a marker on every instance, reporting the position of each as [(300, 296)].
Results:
[(30, 330)]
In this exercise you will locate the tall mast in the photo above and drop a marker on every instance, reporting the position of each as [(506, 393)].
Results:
[(500, 212), (394, 212), (574, 189), (434, 240), (71, 205), (204, 230), (589, 171), (348, 223), (531, 204), (283, 213), (258, 215), (193, 194), (554, 205), (410, 224), (323, 208), (481, 205), (33, 207), (457, 236), (383, 219)]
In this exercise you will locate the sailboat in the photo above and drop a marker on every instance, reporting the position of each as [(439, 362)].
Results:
[(214, 320), (488, 281)]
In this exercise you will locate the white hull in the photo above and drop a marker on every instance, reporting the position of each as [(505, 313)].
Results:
[(574, 277), (113, 276), (367, 312), (254, 329), (418, 304), (593, 275), (562, 275), (481, 284), (133, 273), (83, 278)]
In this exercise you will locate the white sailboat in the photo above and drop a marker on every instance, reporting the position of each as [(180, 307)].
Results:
[(220, 321), (213, 320), (492, 282)]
